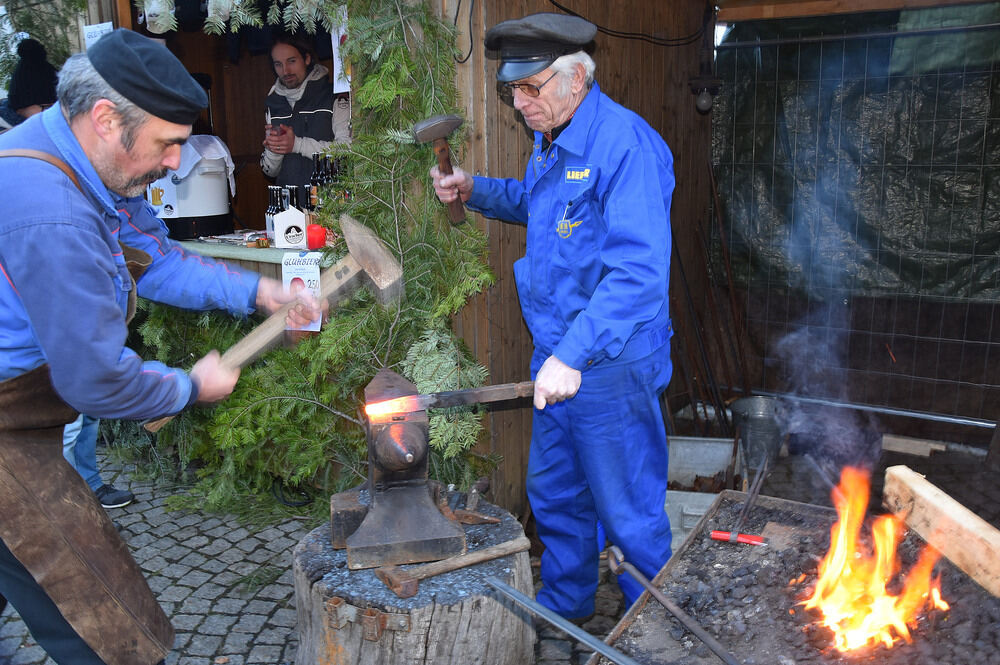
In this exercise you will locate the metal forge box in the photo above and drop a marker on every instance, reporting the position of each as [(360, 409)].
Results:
[(748, 598)]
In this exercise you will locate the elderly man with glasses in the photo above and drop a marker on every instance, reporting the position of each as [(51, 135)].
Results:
[(595, 197)]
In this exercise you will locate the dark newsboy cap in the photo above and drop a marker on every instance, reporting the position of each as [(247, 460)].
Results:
[(147, 74), (528, 45)]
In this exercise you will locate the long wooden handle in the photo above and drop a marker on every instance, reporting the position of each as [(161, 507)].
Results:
[(335, 282), (462, 560)]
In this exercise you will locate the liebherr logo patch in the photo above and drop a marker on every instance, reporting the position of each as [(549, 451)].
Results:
[(580, 174)]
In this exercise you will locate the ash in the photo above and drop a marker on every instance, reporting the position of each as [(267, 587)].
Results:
[(743, 596), (325, 566)]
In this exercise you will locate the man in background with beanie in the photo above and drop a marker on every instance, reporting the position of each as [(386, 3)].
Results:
[(77, 244), (32, 87), (595, 197)]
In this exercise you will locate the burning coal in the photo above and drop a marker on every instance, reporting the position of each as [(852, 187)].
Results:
[(853, 592)]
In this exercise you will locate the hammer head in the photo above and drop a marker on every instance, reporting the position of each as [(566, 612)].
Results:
[(382, 271), (437, 127), (398, 580)]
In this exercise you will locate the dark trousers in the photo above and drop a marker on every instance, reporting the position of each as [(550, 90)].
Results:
[(47, 625)]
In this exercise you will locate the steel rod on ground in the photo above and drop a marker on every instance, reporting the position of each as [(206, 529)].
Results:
[(582, 636)]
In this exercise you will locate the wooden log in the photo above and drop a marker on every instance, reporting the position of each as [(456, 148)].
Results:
[(912, 446), (349, 617), (964, 538)]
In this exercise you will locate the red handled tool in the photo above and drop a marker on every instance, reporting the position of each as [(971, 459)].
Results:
[(735, 536)]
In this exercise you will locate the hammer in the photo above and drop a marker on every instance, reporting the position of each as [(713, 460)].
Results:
[(404, 583), (368, 260), (437, 129)]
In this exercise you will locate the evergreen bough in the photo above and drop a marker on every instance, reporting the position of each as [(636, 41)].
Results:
[(294, 419)]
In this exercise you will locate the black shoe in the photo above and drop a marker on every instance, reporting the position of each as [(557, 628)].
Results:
[(112, 497)]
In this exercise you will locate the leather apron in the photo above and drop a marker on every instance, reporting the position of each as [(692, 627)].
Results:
[(55, 526)]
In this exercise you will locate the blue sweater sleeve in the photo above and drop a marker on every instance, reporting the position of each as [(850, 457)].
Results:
[(181, 278), (70, 287)]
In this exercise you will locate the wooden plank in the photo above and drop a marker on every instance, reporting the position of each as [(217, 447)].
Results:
[(731, 11), (963, 537), (911, 446)]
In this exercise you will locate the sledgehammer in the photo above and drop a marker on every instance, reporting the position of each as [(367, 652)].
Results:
[(368, 260), (405, 583), (436, 130)]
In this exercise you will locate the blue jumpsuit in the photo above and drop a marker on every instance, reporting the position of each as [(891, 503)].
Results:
[(593, 291)]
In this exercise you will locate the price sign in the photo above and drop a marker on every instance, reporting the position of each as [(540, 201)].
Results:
[(300, 270)]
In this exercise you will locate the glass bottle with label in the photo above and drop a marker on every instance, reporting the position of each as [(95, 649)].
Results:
[(315, 182), (270, 211)]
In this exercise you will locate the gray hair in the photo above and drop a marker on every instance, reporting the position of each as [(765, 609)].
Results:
[(80, 87), (565, 66)]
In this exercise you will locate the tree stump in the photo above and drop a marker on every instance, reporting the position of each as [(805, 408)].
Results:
[(349, 617)]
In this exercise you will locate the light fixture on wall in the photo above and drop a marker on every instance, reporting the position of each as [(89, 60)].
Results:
[(705, 85)]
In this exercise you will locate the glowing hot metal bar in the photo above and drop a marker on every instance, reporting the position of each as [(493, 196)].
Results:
[(411, 403)]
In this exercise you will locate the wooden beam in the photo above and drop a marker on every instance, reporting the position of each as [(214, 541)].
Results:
[(732, 11), (963, 537)]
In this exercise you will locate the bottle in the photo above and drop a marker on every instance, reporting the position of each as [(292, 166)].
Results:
[(284, 198), (315, 182), (270, 211)]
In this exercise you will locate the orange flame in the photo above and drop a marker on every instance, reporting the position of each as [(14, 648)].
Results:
[(391, 406), (851, 590)]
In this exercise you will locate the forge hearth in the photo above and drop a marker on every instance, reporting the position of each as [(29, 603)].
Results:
[(744, 597)]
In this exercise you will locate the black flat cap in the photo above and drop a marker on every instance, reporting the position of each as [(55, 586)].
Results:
[(530, 44), (147, 74)]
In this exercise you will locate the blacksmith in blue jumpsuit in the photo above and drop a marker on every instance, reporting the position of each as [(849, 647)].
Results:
[(595, 197), (75, 235)]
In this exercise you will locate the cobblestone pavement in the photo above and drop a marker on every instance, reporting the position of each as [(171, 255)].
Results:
[(230, 596)]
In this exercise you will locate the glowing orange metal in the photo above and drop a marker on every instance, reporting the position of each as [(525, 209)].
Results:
[(406, 404)]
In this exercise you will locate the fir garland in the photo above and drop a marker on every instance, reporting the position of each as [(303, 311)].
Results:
[(295, 416)]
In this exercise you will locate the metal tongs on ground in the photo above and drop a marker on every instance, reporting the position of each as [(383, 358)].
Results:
[(735, 536), (618, 565)]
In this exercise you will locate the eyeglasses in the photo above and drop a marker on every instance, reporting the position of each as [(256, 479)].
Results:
[(506, 90)]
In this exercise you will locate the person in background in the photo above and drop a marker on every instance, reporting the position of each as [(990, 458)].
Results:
[(80, 450), (32, 85), (78, 244), (595, 197), (305, 117)]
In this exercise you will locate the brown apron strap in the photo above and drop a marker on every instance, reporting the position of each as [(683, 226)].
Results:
[(136, 260), (57, 529), (45, 157)]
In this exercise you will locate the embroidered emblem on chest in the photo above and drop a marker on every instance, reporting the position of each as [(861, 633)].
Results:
[(565, 227)]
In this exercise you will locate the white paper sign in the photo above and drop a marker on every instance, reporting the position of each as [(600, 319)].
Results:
[(341, 75), (300, 270), (91, 33)]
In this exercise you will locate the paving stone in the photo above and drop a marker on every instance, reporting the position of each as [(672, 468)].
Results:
[(186, 621), (264, 653), (217, 624), (555, 650), (250, 623), (238, 642), (209, 591), (204, 645)]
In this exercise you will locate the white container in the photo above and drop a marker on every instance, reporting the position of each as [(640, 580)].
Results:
[(200, 186)]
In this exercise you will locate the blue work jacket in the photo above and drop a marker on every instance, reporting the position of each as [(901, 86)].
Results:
[(596, 202), (64, 285)]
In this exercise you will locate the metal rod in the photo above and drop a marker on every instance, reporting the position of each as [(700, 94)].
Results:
[(616, 561), (887, 410), (856, 35), (606, 650)]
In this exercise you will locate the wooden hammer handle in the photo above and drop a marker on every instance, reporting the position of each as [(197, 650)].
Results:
[(462, 560), (456, 209), (334, 283)]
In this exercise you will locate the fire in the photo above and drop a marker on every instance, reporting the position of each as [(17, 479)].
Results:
[(851, 590), (389, 406)]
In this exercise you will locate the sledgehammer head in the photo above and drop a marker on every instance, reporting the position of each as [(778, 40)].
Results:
[(398, 580), (436, 127), (382, 271)]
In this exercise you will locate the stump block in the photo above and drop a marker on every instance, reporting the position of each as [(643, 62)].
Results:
[(349, 617)]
